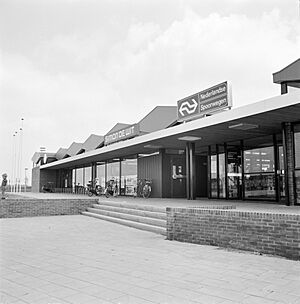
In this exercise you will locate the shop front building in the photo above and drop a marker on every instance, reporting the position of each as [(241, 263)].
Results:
[(203, 148)]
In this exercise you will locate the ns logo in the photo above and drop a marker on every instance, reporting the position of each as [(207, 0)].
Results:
[(188, 107)]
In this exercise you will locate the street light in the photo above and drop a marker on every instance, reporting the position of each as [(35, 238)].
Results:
[(20, 155), (15, 167), (12, 165)]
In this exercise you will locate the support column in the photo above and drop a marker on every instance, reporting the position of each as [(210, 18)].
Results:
[(209, 172), (276, 159), (190, 171), (226, 170), (243, 169), (288, 150), (187, 162), (94, 171), (284, 88)]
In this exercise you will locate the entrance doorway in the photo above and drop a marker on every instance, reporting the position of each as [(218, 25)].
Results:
[(281, 176), (178, 177), (234, 172)]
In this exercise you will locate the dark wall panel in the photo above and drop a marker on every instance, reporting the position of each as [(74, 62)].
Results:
[(151, 168), (63, 175), (201, 176), (166, 181), (48, 176)]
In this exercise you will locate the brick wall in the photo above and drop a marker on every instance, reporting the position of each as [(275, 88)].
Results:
[(276, 234), (11, 208)]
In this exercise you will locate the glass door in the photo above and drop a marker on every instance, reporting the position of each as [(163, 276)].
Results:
[(178, 177), (113, 173), (281, 175), (234, 172), (128, 176)]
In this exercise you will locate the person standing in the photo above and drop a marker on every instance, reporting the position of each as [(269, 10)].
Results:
[(3, 185)]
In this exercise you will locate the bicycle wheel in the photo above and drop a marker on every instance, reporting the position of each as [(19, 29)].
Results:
[(106, 192), (146, 191), (90, 193)]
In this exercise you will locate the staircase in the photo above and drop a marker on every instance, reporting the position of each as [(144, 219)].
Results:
[(149, 218)]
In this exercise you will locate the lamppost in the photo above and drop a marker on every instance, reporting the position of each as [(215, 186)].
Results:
[(15, 163), (12, 165), (20, 155)]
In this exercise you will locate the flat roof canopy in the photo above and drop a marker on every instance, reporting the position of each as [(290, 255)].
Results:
[(254, 120)]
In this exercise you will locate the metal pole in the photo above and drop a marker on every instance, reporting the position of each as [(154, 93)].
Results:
[(188, 171), (19, 161), (12, 165), (209, 172), (192, 173), (218, 173), (15, 162), (20, 154)]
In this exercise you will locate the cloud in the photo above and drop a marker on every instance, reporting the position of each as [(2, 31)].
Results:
[(85, 74), (197, 52)]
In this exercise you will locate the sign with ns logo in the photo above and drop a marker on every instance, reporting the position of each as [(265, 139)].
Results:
[(209, 101), (188, 107)]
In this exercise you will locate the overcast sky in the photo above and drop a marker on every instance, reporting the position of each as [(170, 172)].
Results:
[(75, 67)]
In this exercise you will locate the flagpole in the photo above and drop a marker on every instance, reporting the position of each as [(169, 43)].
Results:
[(15, 161), (12, 176)]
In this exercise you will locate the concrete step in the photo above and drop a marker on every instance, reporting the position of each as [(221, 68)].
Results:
[(139, 212), (132, 206), (128, 223), (125, 216)]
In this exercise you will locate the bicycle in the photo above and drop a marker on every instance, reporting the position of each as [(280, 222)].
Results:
[(111, 189), (143, 188), (138, 189), (92, 189), (48, 187), (147, 189)]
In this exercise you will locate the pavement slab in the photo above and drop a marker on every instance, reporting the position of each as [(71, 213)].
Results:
[(81, 260)]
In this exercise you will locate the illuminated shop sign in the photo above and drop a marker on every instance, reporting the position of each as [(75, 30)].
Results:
[(205, 102), (122, 134)]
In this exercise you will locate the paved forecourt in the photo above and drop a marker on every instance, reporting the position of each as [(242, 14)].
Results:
[(78, 259)]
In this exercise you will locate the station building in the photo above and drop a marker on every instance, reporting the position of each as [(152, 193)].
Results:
[(200, 148)]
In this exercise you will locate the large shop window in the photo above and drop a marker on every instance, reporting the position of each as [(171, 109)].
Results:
[(297, 161), (87, 175), (79, 183), (128, 176), (297, 183), (100, 174), (73, 180), (259, 173)]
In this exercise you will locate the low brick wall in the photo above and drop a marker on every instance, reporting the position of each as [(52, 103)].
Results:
[(268, 233), (11, 208)]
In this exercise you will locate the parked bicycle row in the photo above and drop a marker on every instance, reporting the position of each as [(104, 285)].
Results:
[(142, 189)]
